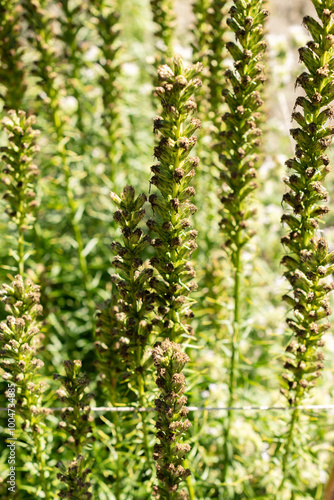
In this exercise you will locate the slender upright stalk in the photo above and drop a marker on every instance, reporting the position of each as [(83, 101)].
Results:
[(164, 20), (39, 21), (19, 338), (238, 156), (307, 260), (76, 422), (135, 299), (174, 282), (106, 19), (12, 73), (20, 176)]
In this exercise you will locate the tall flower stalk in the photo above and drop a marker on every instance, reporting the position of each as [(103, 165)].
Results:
[(172, 424), (240, 142), (106, 19), (40, 26), (71, 21), (172, 175), (12, 73), (164, 20), (173, 247), (20, 339), (308, 261), (19, 176), (77, 424), (136, 299)]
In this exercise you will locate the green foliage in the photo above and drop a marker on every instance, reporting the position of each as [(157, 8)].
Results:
[(85, 69)]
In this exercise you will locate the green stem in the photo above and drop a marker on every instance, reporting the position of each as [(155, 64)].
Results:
[(189, 482), (234, 351), (41, 465), (285, 461), (21, 251)]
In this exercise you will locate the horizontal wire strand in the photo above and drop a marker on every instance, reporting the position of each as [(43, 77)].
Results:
[(133, 409)]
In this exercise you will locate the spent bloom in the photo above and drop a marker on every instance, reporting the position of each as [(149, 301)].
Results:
[(172, 423)]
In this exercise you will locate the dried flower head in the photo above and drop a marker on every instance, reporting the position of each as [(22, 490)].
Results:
[(172, 424)]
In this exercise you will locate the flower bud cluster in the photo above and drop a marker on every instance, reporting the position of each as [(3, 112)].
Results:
[(12, 74), (136, 298), (19, 172), (76, 418), (308, 262), (20, 339), (76, 423), (241, 132), (172, 424), (172, 175), (164, 19), (75, 477), (107, 21)]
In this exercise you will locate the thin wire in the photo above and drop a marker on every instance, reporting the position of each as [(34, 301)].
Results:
[(133, 409)]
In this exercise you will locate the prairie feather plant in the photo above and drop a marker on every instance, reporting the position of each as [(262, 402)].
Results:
[(173, 174), (173, 248), (308, 261), (12, 74), (164, 20), (209, 49), (136, 300), (19, 176), (107, 24), (77, 424), (240, 142), (172, 423), (20, 339)]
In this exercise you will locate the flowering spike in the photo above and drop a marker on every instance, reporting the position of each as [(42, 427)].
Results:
[(20, 339), (172, 424), (76, 423), (172, 175), (12, 74)]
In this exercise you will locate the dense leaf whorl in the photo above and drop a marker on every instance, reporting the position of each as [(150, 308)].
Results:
[(241, 132), (308, 261), (172, 175)]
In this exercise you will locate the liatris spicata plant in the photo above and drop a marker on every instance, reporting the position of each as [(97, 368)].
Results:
[(172, 176), (12, 74), (107, 19), (20, 339), (164, 19), (41, 35), (20, 176), (136, 299), (240, 142), (77, 424), (71, 20), (209, 48), (308, 261), (172, 424), (108, 345)]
